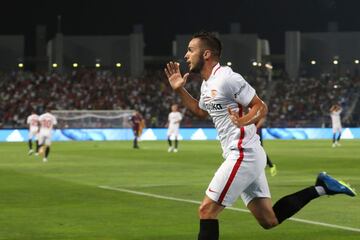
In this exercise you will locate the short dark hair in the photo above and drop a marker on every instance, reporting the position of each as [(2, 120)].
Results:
[(211, 42)]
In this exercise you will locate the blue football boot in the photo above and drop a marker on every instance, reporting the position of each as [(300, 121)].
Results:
[(333, 186)]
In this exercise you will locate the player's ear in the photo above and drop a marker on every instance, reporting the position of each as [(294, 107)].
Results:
[(207, 54)]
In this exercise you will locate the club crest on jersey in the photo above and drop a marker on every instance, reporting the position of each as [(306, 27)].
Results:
[(213, 93)]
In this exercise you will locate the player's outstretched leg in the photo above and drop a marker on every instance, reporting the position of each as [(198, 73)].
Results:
[(269, 217), (325, 185), (334, 140)]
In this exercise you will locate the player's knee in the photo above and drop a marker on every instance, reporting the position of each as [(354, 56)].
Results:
[(268, 223), (205, 211)]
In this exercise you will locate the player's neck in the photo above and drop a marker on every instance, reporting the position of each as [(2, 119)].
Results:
[(208, 69)]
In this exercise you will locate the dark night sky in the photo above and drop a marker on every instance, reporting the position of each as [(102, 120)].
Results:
[(163, 19)]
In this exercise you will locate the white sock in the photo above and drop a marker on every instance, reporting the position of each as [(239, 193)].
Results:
[(320, 190)]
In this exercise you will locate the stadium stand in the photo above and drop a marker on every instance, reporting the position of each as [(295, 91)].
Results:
[(302, 102)]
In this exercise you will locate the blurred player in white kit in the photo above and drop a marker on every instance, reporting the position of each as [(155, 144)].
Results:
[(174, 120), (33, 122), (335, 112), (47, 122)]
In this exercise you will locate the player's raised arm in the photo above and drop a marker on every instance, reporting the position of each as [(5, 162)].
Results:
[(177, 83), (258, 110)]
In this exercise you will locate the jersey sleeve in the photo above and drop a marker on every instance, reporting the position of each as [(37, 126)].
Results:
[(28, 120), (240, 90)]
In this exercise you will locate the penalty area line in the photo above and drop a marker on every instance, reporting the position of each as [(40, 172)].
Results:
[(230, 208)]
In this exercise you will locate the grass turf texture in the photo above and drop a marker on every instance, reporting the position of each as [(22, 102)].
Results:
[(61, 199)]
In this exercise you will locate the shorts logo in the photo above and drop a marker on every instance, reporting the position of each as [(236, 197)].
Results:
[(210, 190)]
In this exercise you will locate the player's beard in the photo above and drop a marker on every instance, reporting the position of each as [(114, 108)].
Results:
[(198, 66)]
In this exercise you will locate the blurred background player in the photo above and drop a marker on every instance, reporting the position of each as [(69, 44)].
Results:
[(259, 124), (174, 120), (47, 122), (138, 123), (335, 112), (33, 122)]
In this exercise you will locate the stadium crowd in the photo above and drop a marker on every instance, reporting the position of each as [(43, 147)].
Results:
[(20, 92), (306, 101), (292, 103)]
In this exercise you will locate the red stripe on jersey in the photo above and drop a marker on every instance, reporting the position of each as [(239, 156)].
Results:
[(240, 110), (235, 168), (216, 70)]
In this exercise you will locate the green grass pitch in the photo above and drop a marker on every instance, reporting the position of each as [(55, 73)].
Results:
[(61, 199)]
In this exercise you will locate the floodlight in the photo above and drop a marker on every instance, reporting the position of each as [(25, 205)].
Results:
[(268, 66)]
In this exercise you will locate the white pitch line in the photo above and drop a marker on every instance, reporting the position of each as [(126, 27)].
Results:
[(230, 208)]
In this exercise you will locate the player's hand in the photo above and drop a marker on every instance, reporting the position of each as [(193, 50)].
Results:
[(173, 74), (234, 116)]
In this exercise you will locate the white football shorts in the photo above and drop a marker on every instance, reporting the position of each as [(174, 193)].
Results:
[(173, 131), (44, 139), (33, 132), (241, 174), (337, 128)]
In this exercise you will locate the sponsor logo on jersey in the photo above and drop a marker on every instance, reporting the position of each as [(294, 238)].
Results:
[(213, 106)]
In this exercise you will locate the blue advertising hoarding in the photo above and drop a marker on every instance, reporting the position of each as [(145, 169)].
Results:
[(111, 134)]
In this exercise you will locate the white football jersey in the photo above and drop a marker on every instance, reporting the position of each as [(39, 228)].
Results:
[(33, 122), (174, 119), (47, 122), (223, 89), (335, 118)]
